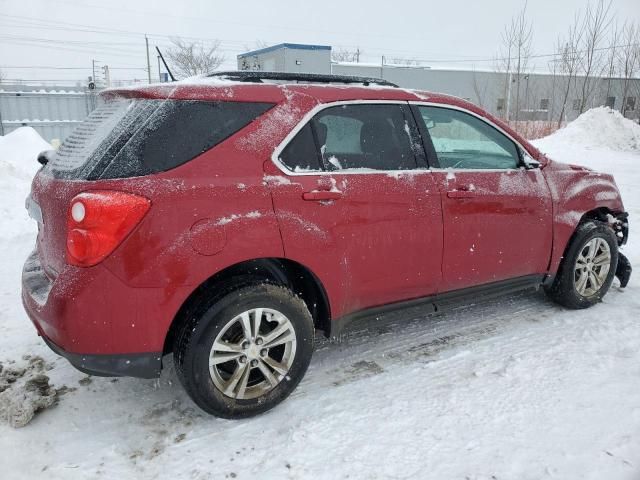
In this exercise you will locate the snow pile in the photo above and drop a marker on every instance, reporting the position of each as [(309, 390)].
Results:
[(24, 392), (18, 153), (599, 127), (18, 164)]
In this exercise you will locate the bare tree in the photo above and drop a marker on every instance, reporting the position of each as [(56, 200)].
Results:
[(193, 58), (346, 55), (503, 65), (612, 56), (479, 88), (1, 76), (628, 54), (568, 56), (552, 92), (597, 20), (516, 51)]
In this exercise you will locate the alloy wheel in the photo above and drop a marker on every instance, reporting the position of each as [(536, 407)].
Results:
[(592, 267), (252, 353)]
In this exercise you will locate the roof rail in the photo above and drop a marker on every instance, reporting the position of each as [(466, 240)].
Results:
[(259, 77)]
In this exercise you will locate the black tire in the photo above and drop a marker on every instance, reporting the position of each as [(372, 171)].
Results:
[(563, 289), (208, 317)]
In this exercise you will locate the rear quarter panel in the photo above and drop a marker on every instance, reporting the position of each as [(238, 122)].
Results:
[(206, 215)]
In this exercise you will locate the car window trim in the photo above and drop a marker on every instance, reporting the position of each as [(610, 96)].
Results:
[(415, 137), (430, 155), (322, 165), (275, 156), (425, 132)]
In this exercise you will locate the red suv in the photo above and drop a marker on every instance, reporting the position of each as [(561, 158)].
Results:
[(227, 219)]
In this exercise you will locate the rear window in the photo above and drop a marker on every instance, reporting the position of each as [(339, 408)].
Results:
[(133, 137)]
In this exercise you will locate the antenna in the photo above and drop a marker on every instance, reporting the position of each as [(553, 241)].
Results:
[(173, 79)]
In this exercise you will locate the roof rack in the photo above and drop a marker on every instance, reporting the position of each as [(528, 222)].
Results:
[(259, 77)]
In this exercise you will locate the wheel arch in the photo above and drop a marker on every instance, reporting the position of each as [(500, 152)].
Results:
[(614, 219), (279, 271), (566, 233)]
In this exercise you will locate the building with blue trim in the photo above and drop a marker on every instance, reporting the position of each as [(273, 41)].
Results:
[(288, 57)]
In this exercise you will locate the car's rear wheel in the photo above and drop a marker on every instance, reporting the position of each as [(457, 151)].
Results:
[(245, 352), (588, 267)]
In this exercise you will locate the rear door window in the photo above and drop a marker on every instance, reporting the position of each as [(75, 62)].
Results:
[(128, 138), (301, 154), (362, 136)]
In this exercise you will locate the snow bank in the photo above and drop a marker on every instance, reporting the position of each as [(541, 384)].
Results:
[(18, 153), (18, 164), (599, 127)]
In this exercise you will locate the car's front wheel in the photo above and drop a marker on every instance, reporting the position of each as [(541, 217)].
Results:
[(245, 352), (588, 267)]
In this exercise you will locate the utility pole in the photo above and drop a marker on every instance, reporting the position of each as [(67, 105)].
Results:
[(107, 76), (146, 41), (358, 55), (93, 70)]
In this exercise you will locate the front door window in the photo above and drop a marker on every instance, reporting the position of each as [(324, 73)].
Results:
[(463, 141)]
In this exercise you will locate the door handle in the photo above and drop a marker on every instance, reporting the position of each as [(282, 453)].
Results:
[(460, 194), (321, 195)]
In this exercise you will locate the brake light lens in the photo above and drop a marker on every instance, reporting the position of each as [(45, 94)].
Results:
[(98, 221)]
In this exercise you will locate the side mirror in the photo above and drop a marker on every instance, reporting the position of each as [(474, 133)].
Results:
[(45, 156), (529, 162)]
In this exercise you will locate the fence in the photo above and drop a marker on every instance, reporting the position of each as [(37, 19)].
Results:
[(53, 111)]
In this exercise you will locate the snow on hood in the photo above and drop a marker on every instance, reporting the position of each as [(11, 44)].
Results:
[(599, 127)]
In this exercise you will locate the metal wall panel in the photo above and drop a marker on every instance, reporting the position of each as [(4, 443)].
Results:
[(52, 111)]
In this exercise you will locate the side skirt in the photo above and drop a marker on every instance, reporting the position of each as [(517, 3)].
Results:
[(442, 301)]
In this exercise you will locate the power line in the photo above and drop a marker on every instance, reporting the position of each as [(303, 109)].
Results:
[(58, 46), (209, 21), (227, 45), (50, 67), (85, 47)]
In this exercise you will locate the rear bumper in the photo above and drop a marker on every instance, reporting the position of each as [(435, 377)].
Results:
[(91, 318), (140, 365)]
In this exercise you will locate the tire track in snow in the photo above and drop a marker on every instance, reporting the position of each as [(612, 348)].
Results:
[(408, 338)]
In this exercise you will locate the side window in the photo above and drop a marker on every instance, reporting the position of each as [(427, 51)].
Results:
[(169, 135), (462, 140), (364, 136), (300, 154)]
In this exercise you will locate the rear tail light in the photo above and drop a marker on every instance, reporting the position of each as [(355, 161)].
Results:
[(97, 222)]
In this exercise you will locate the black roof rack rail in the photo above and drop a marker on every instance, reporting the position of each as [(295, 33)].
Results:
[(259, 77)]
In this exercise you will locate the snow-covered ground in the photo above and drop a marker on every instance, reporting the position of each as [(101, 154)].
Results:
[(517, 388)]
